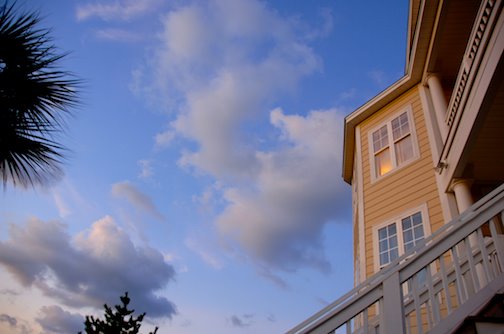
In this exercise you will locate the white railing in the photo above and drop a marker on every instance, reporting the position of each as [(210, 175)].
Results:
[(433, 287), (476, 50), (482, 28)]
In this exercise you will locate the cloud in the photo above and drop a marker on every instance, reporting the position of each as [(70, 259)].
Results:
[(9, 292), (61, 205), (202, 248), (13, 325), (136, 198), (94, 267), (219, 68), (244, 321), (378, 77), (280, 222), (146, 170), (116, 9), (54, 319), (8, 319), (119, 35), (163, 139)]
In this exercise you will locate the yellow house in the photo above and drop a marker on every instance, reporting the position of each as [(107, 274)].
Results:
[(425, 159)]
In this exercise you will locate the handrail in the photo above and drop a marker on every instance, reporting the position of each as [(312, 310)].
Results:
[(421, 256)]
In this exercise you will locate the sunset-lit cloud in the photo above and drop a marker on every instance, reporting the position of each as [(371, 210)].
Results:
[(136, 198), (94, 267), (223, 63)]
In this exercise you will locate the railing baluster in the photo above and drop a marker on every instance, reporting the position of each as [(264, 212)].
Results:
[(416, 301), (485, 256), (366, 322), (444, 280), (459, 283), (472, 266), (498, 240), (432, 298), (471, 276)]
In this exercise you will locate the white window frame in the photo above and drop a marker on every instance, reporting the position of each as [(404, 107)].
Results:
[(414, 141), (400, 241)]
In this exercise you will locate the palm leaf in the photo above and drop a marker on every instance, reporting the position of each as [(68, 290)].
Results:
[(35, 99)]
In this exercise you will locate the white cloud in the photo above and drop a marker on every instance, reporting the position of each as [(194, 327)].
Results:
[(146, 170), (279, 223), (61, 204), (120, 35), (163, 139), (116, 9), (378, 77), (204, 250), (136, 198), (93, 268), (219, 67)]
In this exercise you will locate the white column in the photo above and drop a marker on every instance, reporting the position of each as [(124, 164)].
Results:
[(462, 190), (439, 102)]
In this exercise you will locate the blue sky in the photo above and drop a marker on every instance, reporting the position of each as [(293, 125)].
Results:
[(205, 168)]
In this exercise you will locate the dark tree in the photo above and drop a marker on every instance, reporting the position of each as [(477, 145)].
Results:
[(35, 99), (120, 321)]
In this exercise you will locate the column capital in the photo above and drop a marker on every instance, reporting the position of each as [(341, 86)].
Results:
[(456, 182), (431, 75)]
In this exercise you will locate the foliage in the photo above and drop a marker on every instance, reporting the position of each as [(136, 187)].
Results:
[(35, 99), (120, 321)]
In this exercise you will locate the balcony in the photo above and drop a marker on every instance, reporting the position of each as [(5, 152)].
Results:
[(434, 287)]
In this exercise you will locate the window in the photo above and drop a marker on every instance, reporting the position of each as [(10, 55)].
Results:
[(393, 144), (397, 237)]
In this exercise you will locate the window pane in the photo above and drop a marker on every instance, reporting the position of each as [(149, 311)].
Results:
[(393, 241), (380, 138), (382, 233), (392, 229), (383, 245), (400, 126), (408, 235), (383, 162), (406, 223), (394, 254), (404, 150), (384, 259), (412, 230), (419, 232), (408, 246), (388, 245), (417, 218)]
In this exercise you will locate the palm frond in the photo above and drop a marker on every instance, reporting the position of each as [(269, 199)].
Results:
[(36, 97)]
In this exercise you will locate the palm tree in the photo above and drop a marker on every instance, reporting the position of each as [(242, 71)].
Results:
[(35, 99)]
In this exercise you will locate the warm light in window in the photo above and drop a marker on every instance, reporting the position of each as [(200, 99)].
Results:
[(383, 162), (385, 167)]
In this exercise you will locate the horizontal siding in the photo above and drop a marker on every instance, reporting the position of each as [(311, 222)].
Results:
[(403, 189)]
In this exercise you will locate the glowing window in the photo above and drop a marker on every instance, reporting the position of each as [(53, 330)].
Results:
[(392, 144)]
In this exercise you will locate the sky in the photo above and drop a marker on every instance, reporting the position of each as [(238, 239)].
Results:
[(204, 167)]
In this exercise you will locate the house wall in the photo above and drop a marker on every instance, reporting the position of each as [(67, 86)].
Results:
[(406, 188)]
